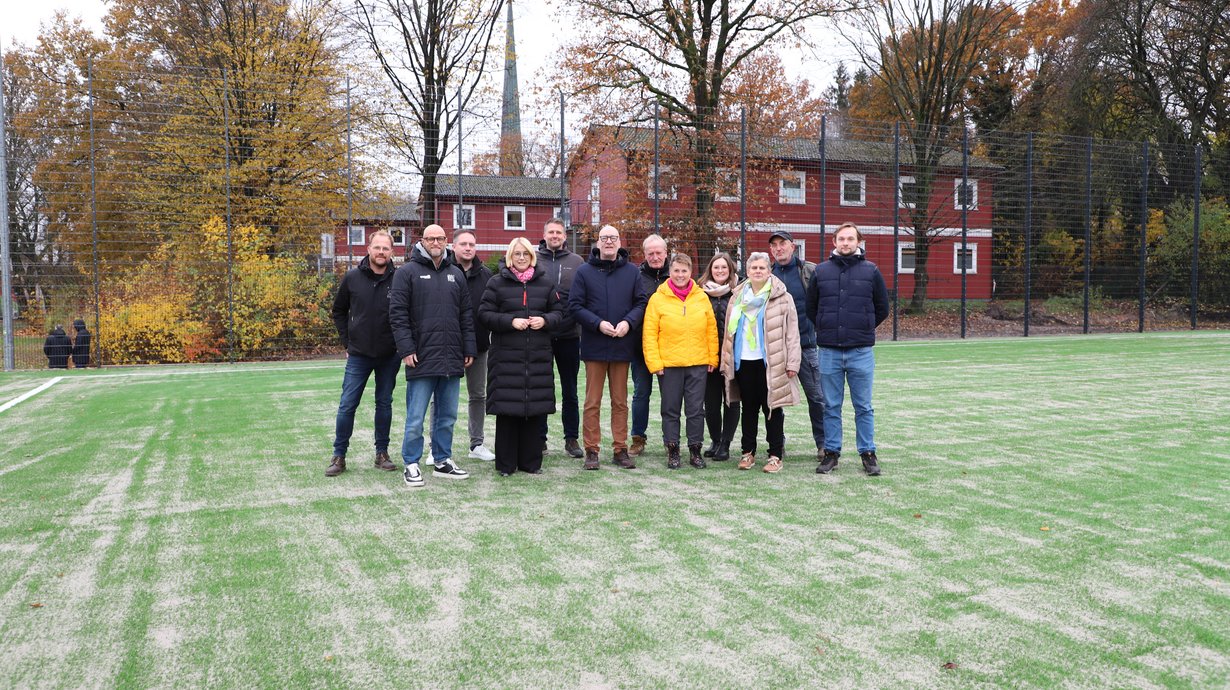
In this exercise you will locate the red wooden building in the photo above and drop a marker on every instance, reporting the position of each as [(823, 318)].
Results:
[(612, 182), (497, 209), (349, 243)]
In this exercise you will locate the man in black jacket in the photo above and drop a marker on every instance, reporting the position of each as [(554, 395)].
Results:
[(465, 251), (433, 323), (847, 300), (555, 259), (361, 315), (654, 272), (57, 347)]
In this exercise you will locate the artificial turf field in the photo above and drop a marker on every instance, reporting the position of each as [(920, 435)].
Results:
[(1053, 512)]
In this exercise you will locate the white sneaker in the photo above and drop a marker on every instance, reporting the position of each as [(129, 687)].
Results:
[(413, 476), (448, 470), (481, 453)]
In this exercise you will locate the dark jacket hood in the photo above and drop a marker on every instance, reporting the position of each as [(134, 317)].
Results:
[(553, 253), (366, 267), (419, 255), (595, 259), (847, 261), (658, 274)]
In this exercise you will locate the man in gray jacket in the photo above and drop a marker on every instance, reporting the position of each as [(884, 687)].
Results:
[(555, 259)]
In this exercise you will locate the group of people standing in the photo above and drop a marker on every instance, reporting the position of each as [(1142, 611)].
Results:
[(724, 352), (59, 348)]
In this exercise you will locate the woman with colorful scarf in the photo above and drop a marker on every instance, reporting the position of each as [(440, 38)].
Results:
[(680, 343), (760, 358), (520, 307), (719, 282)]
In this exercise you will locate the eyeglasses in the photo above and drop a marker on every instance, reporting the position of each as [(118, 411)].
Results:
[(608, 238), (434, 239), (525, 254)]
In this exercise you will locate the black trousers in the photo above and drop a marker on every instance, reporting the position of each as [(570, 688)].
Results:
[(754, 389), (720, 417), (517, 445)]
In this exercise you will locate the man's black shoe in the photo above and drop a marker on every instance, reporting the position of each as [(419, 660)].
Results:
[(871, 463), (829, 463)]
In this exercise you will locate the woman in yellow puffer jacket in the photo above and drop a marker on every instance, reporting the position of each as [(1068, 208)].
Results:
[(680, 343)]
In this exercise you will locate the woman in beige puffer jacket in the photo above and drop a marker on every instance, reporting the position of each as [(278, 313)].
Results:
[(760, 358)]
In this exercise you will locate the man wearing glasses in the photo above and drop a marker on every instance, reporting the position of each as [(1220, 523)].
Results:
[(433, 323), (608, 302)]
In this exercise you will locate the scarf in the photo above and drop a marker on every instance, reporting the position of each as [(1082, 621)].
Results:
[(750, 307), (681, 292), (716, 289), (523, 276)]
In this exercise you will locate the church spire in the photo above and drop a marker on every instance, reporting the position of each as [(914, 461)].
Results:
[(511, 154)]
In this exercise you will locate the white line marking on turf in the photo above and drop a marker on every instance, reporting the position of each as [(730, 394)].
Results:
[(30, 394)]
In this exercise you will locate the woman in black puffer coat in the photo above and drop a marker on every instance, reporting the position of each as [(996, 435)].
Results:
[(721, 416), (521, 307)]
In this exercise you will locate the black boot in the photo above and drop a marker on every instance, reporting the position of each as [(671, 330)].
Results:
[(713, 446), (722, 452), (672, 456), (697, 461), (829, 463)]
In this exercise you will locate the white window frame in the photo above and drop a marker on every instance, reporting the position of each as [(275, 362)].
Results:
[(782, 197), (521, 209), (734, 174), (861, 178), (901, 182), (665, 172), (956, 194), (903, 246), (595, 201), (396, 242), (350, 235), (800, 249), (457, 209), (956, 254), (328, 246)]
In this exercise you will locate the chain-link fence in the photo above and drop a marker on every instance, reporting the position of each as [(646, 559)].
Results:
[(204, 216)]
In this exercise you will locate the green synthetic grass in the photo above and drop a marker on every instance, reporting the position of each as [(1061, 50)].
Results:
[(1054, 512)]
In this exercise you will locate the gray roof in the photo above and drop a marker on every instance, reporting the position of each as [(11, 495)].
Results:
[(484, 187), (837, 150)]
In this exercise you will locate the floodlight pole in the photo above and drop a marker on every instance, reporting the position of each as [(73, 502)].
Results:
[(350, 183), (6, 284), (896, 222), (742, 189)]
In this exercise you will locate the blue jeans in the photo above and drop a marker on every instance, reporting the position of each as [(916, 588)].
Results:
[(809, 379), (358, 369), (642, 388), (446, 390), (855, 366)]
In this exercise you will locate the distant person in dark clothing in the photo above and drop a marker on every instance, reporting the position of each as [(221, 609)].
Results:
[(521, 308), (81, 345), (57, 348), (465, 253), (561, 265), (361, 315)]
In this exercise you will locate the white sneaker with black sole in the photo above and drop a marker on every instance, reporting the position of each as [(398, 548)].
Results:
[(413, 476), (448, 470), (480, 452)]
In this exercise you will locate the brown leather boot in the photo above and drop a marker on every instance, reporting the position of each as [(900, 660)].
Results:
[(637, 447), (591, 459), (383, 462), (336, 466), (697, 461), (672, 456), (622, 459)]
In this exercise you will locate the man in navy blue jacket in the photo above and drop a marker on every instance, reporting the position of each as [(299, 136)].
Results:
[(433, 323), (361, 315), (798, 275), (608, 302), (847, 300)]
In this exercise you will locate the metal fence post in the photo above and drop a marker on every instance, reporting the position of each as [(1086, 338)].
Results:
[(896, 222), (350, 183), (6, 279), (742, 189), (457, 222), (230, 246), (656, 172), (1196, 233), (964, 225), (565, 213), (824, 121), (1029, 226), (1088, 226), (1144, 227), (98, 335)]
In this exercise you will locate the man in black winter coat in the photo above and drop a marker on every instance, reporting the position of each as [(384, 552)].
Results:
[(433, 323), (57, 347), (361, 315), (465, 252), (847, 300), (81, 345), (561, 264)]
